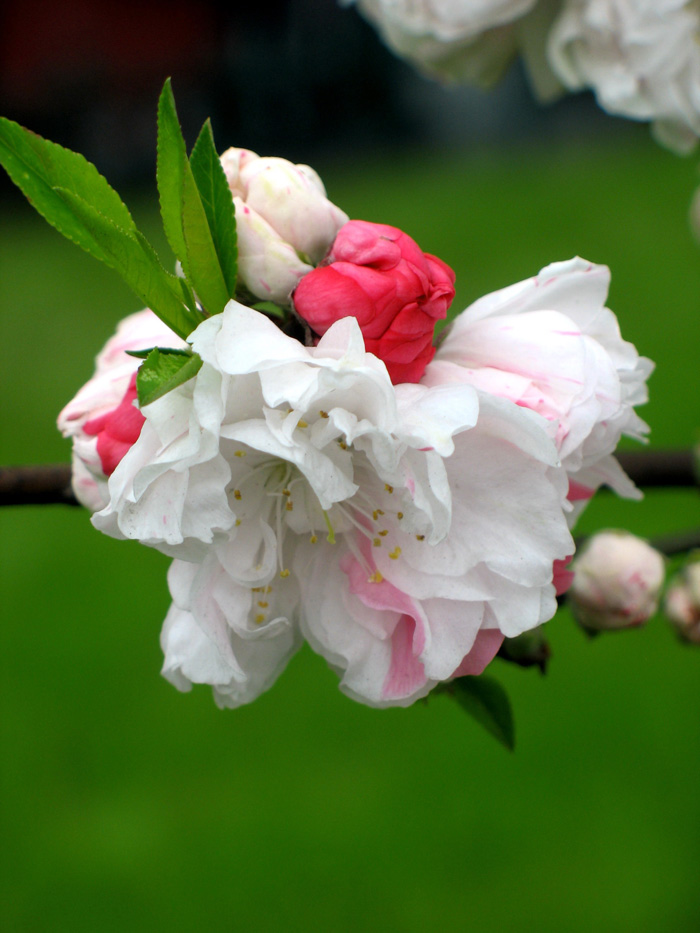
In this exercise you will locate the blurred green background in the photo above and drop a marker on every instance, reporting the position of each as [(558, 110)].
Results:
[(128, 806)]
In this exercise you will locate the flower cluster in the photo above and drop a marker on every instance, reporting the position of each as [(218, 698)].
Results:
[(400, 509), (641, 58)]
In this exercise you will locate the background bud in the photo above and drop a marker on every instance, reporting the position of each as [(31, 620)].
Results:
[(682, 601), (617, 582)]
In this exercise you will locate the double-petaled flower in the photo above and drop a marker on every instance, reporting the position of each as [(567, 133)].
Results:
[(402, 530)]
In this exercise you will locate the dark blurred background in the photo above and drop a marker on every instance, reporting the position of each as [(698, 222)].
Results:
[(299, 78)]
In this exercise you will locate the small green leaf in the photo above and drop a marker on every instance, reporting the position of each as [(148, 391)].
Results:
[(170, 171), (487, 702), (203, 270), (217, 201), (130, 254), (38, 167), (164, 370)]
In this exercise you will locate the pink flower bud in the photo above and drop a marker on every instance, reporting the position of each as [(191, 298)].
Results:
[(102, 419), (617, 581), (381, 277), (285, 222), (116, 430), (682, 602)]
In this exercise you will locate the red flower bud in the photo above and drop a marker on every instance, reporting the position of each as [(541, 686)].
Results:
[(380, 276), (117, 430)]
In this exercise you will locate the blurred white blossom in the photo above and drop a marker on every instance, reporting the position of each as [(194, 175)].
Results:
[(682, 601), (641, 58)]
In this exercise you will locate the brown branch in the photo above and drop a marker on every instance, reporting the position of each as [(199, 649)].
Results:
[(679, 542), (50, 483), (653, 468), (43, 484)]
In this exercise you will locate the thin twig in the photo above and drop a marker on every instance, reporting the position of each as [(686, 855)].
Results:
[(44, 484), (50, 483), (652, 468)]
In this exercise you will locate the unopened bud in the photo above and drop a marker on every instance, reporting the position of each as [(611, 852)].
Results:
[(617, 582), (285, 222), (682, 601)]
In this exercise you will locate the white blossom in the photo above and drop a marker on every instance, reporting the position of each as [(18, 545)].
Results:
[(403, 530), (549, 344)]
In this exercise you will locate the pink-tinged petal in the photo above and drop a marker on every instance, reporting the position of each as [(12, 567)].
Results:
[(578, 492), (377, 595), (549, 345), (117, 430), (484, 650), (406, 673), (561, 576)]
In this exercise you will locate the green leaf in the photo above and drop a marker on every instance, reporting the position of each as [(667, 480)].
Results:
[(189, 299), (170, 171), (197, 209), (203, 269), (164, 370), (487, 702), (217, 201), (131, 255), (39, 167)]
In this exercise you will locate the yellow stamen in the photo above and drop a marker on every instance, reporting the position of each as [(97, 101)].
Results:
[(301, 423), (323, 414), (239, 453), (420, 537), (376, 542), (259, 618), (383, 532), (395, 554), (237, 494), (388, 488), (313, 539), (376, 577), (284, 573), (263, 604), (399, 515)]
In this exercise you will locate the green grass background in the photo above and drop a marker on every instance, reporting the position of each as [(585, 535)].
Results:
[(128, 806)]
